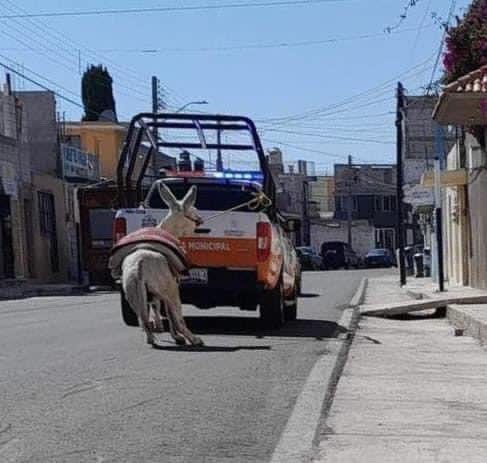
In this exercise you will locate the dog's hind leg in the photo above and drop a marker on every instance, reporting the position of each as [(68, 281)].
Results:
[(158, 325), (136, 294), (174, 308), (179, 338)]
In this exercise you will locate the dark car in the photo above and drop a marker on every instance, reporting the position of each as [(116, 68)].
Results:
[(308, 258), (379, 258), (337, 254)]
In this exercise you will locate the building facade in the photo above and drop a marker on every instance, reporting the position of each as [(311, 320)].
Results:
[(322, 193), (368, 192), (462, 104), (424, 141), (14, 188), (46, 208)]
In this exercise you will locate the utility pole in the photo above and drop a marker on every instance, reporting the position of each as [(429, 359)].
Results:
[(439, 227), (349, 201), (400, 181), (306, 228)]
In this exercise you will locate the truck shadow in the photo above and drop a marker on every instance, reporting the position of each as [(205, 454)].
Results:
[(246, 326)]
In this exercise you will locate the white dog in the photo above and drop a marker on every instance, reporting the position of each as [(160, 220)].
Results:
[(147, 275)]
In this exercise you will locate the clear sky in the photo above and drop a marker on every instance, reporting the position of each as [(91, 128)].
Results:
[(310, 95)]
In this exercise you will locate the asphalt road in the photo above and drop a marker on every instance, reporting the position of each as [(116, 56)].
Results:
[(76, 385)]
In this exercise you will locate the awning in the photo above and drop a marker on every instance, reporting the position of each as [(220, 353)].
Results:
[(462, 100), (448, 178), (460, 109)]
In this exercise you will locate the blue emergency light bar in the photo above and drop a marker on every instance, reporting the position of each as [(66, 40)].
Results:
[(254, 175)]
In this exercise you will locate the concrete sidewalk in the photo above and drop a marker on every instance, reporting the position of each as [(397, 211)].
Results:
[(411, 391), (418, 295), (18, 289)]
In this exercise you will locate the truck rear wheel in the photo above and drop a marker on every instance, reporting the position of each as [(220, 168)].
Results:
[(128, 315), (272, 308), (291, 306)]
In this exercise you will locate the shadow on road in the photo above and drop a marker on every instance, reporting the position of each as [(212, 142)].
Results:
[(246, 326), (309, 295), (176, 348)]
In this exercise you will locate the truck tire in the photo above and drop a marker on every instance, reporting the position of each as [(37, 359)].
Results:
[(291, 305), (128, 315), (272, 308)]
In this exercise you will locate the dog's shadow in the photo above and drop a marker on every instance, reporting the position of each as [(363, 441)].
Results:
[(188, 348)]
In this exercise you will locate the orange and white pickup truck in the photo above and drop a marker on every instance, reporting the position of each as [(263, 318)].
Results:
[(242, 255)]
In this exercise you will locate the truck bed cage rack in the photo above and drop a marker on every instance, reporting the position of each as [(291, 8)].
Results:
[(143, 129)]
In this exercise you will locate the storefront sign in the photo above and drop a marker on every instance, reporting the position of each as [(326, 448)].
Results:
[(418, 195), (79, 164)]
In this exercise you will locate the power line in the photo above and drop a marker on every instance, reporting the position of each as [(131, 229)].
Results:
[(349, 100), (59, 60), (46, 31), (33, 81), (253, 46), (301, 148), (40, 85), (440, 50), (41, 77), (332, 137), (168, 9), (410, 4)]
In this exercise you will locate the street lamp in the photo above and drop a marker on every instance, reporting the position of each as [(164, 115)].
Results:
[(189, 104)]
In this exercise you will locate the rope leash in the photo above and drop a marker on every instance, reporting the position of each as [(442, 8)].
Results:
[(260, 200)]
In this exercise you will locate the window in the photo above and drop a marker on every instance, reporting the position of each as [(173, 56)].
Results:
[(47, 223), (47, 219), (355, 203), (387, 203), (378, 203), (385, 238), (101, 221), (393, 203), (338, 203)]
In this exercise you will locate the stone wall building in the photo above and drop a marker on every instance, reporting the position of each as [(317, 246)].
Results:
[(48, 249), (14, 188)]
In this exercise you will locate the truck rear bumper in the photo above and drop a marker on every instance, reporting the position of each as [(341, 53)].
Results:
[(238, 288)]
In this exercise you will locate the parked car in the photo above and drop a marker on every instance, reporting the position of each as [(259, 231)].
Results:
[(379, 258), (308, 258), (337, 254)]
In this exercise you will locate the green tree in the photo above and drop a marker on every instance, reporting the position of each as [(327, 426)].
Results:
[(97, 93), (466, 43)]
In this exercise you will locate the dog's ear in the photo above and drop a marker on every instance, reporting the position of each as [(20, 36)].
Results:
[(190, 199), (167, 196)]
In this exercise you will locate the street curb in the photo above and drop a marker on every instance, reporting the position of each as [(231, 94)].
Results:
[(349, 321), (466, 323), (7, 294), (300, 438), (358, 297)]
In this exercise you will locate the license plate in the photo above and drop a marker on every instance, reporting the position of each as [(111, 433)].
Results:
[(197, 275)]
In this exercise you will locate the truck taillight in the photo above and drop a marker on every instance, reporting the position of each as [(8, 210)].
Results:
[(264, 237), (119, 229)]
